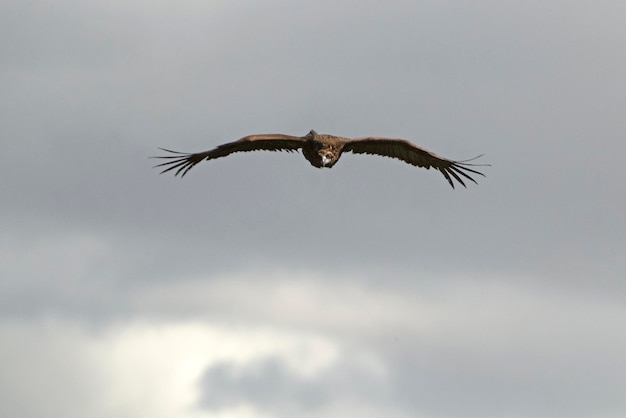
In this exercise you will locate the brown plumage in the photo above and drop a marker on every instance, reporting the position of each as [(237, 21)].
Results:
[(325, 150)]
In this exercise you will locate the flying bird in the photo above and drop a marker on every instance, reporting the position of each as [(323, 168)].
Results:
[(323, 151)]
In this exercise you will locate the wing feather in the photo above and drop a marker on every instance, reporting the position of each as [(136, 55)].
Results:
[(410, 153), (183, 162)]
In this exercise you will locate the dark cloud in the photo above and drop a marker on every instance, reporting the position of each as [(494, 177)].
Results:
[(267, 383)]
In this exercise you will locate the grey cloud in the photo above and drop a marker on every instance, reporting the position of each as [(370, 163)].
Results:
[(424, 379), (511, 385)]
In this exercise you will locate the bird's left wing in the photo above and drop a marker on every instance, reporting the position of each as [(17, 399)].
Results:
[(183, 162), (414, 155)]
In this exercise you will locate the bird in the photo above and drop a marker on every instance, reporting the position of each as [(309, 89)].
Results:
[(323, 151)]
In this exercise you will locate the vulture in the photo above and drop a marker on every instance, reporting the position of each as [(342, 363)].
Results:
[(323, 151)]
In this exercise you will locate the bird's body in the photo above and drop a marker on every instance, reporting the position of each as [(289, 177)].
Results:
[(323, 151)]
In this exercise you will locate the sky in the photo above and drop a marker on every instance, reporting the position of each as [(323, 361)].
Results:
[(260, 286)]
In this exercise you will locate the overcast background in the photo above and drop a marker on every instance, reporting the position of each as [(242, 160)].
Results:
[(259, 286)]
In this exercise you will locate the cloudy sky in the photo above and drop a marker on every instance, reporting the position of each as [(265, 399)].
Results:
[(259, 286)]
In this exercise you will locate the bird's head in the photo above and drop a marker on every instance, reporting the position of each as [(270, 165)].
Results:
[(312, 133), (328, 156)]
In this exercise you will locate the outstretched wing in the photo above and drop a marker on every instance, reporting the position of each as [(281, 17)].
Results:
[(412, 154), (183, 162)]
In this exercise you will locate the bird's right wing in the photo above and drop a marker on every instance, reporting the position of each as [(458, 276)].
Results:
[(183, 162)]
